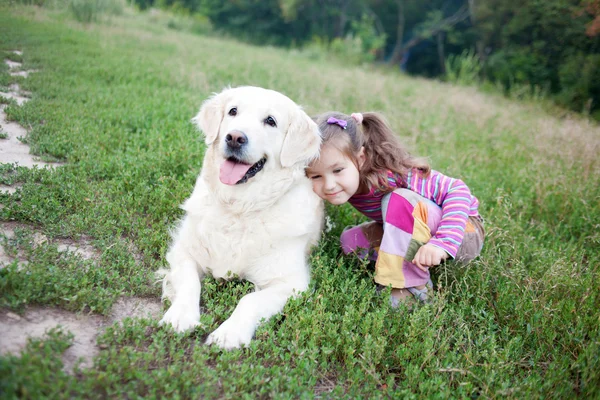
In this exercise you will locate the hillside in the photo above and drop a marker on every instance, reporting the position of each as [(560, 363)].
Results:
[(110, 107)]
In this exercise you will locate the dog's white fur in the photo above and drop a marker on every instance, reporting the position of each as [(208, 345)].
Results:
[(260, 230)]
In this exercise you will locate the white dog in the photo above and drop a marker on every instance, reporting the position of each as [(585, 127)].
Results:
[(252, 212)]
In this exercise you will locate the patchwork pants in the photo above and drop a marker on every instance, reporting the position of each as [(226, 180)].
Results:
[(410, 221)]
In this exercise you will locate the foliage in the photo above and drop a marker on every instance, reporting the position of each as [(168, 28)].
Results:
[(579, 80), (463, 69), (371, 41), (520, 44), (350, 49), (540, 44), (195, 23), (592, 7), (361, 46), (38, 3), (87, 11), (143, 4), (256, 21)]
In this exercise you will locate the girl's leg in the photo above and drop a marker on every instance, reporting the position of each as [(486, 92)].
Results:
[(363, 240), (409, 222), (472, 242)]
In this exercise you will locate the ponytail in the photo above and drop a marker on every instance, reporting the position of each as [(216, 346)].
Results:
[(385, 153)]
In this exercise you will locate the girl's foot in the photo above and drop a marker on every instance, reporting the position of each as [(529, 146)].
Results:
[(410, 295)]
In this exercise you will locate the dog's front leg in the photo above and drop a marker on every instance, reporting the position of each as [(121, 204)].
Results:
[(239, 328), (182, 286)]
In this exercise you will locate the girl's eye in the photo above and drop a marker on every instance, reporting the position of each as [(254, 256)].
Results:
[(233, 112), (270, 121), (338, 170), (315, 177)]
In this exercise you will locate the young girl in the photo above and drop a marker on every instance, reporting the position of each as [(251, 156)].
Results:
[(419, 216)]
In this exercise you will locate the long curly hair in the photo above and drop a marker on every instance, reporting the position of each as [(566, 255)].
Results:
[(383, 150)]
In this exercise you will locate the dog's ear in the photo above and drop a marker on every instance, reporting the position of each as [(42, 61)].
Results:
[(302, 140), (211, 115)]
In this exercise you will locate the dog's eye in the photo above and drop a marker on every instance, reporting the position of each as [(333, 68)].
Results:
[(270, 121), (233, 112)]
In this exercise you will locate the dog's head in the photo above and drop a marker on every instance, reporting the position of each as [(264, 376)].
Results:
[(252, 129)]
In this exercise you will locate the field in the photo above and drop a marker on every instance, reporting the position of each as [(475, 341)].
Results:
[(110, 107)]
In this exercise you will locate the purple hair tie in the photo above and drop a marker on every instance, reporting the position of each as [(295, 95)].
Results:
[(336, 121)]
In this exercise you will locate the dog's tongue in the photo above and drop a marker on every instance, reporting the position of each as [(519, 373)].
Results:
[(231, 172)]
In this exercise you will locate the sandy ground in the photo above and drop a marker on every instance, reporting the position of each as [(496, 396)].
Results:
[(12, 150), (16, 329), (35, 321)]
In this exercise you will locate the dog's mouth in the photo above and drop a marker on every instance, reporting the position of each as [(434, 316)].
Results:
[(235, 172)]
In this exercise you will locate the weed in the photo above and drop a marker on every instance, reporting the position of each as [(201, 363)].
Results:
[(463, 69)]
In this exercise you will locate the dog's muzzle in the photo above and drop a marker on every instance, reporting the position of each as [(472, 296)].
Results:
[(236, 169)]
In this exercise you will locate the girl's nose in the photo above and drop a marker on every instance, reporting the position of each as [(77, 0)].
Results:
[(329, 183)]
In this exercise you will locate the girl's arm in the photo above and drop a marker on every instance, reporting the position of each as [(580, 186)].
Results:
[(455, 199)]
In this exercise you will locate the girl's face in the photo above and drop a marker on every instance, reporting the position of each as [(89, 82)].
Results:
[(334, 176)]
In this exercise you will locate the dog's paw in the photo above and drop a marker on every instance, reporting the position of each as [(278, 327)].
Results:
[(230, 335), (181, 318)]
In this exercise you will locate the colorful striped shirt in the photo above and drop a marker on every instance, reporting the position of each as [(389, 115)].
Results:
[(452, 195)]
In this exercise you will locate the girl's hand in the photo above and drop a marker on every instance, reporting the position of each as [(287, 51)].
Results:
[(429, 255)]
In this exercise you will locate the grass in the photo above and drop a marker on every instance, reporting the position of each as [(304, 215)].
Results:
[(113, 101)]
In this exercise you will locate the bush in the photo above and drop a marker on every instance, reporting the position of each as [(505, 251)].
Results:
[(372, 41), (349, 49), (181, 20), (87, 11), (196, 23), (580, 83), (463, 69), (39, 3), (316, 49), (143, 4), (363, 44), (519, 67)]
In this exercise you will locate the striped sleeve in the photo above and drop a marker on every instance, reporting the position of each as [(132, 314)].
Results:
[(456, 201)]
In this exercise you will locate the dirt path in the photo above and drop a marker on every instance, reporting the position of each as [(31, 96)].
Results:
[(12, 150), (16, 329), (35, 321)]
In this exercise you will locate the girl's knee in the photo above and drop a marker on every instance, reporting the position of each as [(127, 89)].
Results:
[(407, 206), (472, 243)]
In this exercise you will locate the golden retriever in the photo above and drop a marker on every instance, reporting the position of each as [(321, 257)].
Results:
[(252, 213)]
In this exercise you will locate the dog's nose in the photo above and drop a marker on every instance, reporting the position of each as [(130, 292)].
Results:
[(236, 139)]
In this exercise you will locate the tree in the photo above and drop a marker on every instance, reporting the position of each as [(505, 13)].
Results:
[(433, 25), (593, 8)]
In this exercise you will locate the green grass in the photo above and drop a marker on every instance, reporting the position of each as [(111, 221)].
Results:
[(113, 101)]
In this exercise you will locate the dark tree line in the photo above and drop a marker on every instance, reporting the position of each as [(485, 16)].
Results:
[(549, 45)]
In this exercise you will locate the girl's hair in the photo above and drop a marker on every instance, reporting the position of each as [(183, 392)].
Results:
[(383, 150)]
